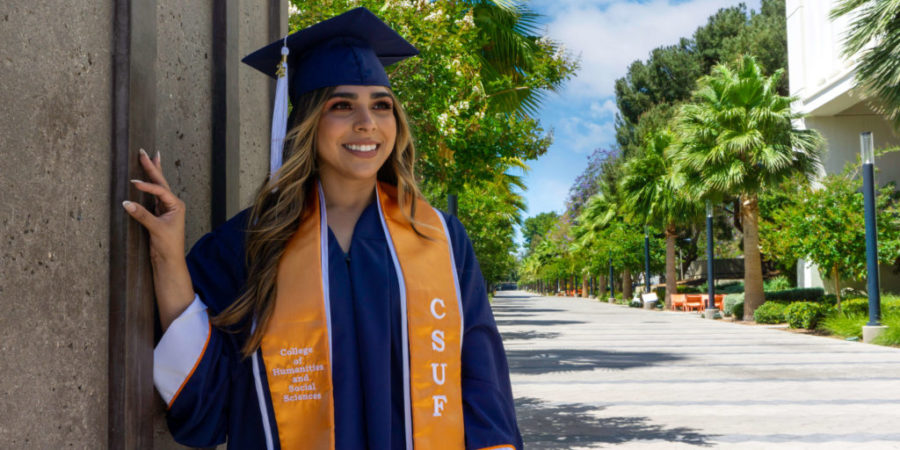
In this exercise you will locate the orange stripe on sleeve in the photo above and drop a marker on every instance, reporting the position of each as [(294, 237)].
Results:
[(191, 373)]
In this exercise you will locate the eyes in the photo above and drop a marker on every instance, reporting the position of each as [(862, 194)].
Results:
[(345, 105)]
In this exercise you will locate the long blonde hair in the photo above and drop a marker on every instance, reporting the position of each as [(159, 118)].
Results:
[(281, 204)]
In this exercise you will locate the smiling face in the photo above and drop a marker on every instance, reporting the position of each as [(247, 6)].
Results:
[(356, 133)]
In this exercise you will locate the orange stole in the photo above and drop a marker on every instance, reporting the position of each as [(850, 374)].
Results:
[(433, 324), (296, 345)]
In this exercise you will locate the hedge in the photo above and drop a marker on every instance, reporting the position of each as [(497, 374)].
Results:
[(795, 295), (805, 314), (731, 300), (770, 312)]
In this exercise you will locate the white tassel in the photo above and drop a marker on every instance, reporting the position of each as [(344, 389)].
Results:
[(279, 115)]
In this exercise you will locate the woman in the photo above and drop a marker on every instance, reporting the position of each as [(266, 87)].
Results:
[(340, 311)]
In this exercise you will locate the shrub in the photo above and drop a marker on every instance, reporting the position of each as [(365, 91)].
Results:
[(845, 325), (796, 295), (769, 312), (804, 314), (732, 300), (891, 335), (778, 283), (730, 288), (685, 289), (738, 310), (855, 307)]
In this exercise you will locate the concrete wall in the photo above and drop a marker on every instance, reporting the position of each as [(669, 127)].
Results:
[(55, 165), (841, 133), (256, 102), (55, 68), (814, 46), (184, 77)]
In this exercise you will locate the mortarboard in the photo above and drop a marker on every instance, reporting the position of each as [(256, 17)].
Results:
[(350, 49)]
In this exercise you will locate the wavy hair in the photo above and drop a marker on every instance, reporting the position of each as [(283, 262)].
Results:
[(281, 204)]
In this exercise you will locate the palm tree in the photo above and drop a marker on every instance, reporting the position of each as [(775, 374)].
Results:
[(737, 139), (511, 33), (875, 22), (652, 189)]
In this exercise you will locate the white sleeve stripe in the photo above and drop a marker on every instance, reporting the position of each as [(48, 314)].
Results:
[(180, 349)]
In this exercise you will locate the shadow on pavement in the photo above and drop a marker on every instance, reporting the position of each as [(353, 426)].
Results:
[(546, 426), (526, 335), (524, 310), (502, 322), (558, 360)]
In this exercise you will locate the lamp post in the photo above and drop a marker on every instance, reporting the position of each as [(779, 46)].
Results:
[(867, 152), (646, 259), (612, 285), (711, 310)]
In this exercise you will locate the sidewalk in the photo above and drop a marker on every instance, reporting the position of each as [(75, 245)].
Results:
[(587, 374)]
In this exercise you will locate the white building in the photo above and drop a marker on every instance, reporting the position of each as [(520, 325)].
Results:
[(823, 82)]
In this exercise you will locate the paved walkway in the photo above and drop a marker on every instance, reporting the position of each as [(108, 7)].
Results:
[(587, 374)]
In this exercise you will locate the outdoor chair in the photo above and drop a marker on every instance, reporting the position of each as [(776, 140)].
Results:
[(677, 301)]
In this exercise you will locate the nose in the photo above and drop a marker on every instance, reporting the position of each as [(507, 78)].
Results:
[(364, 120)]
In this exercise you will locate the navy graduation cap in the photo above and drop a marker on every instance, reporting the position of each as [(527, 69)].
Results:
[(350, 49)]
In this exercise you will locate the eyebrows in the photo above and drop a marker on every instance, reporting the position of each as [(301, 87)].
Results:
[(354, 96)]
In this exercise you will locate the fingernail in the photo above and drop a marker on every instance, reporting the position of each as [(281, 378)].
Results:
[(145, 154), (136, 181), (158, 157), (129, 206)]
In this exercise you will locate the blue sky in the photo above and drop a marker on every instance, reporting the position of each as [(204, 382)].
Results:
[(607, 35)]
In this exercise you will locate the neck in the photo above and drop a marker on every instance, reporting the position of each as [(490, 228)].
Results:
[(347, 195)]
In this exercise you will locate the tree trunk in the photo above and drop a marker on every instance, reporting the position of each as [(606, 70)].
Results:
[(671, 271), (626, 285), (584, 286), (754, 296), (601, 287), (837, 286)]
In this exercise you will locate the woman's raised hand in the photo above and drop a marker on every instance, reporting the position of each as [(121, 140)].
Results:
[(174, 291)]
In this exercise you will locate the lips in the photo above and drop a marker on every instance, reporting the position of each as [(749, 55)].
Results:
[(362, 148)]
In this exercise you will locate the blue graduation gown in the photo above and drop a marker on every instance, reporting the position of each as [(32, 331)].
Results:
[(219, 398)]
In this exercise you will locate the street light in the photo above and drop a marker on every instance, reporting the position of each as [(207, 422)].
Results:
[(867, 151), (710, 312), (646, 258), (612, 286)]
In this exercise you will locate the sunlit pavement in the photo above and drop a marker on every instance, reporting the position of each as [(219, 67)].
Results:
[(587, 374)]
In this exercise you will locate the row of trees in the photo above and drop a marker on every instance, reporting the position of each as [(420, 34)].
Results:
[(727, 138), (470, 97), (697, 122)]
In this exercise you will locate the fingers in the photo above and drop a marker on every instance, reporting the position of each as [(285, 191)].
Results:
[(167, 199), (153, 168), (139, 213)]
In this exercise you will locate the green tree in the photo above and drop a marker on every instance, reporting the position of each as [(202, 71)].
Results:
[(874, 35), (738, 139), (827, 226), (535, 228), (653, 193), (451, 96)]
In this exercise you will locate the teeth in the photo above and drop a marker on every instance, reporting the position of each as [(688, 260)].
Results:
[(361, 148)]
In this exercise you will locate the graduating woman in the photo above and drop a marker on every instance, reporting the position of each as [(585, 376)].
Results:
[(340, 310)]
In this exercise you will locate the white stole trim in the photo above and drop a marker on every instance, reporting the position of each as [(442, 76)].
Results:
[(407, 403), (462, 318)]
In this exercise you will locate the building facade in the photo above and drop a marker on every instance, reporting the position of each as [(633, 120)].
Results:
[(823, 81)]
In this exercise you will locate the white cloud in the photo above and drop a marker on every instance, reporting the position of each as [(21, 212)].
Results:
[(582, 136), (608, 35), (606, 109)]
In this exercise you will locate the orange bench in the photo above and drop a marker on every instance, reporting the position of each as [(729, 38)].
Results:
[(677, 301)]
